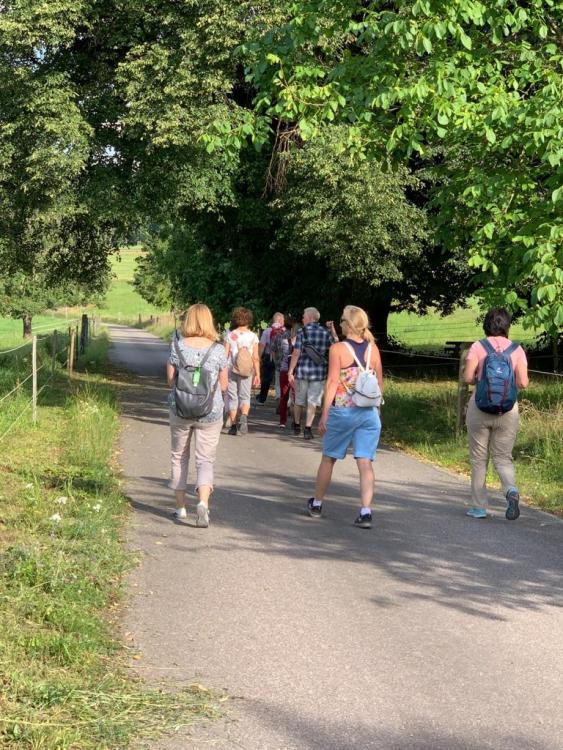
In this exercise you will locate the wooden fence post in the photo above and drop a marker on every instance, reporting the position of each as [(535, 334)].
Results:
[(84, 334), (76, 344), (71, 346), (34, 380), (54, 352), (462, 392)]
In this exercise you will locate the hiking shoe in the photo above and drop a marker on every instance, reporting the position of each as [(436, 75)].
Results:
[(202, 516), (243, 424), (180, 513), (282, 426), (232, 430), (363, 522), (512, 508), (477, 513), (296, 429), (315, 511), (308, 433)]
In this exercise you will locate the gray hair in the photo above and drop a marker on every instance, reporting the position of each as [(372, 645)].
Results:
[(312, 312), (278, 316)]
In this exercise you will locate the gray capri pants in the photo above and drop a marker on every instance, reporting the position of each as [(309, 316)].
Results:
[(206, 438), (238, 391)]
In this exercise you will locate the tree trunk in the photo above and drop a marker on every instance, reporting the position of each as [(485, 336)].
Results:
[(555, 345), (26, 319), (378, 316)]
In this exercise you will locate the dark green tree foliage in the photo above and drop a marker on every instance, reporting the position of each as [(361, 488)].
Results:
[(475, 87)]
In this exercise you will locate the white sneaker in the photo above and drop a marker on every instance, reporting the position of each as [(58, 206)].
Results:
[(202, 512), (180, 513)]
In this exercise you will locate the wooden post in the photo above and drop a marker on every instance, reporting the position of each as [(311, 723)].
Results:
[(84, 334), (71, 346), (462, 392), (140, 321), (76, 340), (54, 352), (34, 380)]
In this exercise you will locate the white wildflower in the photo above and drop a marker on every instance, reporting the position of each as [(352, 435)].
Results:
[(97, 507), (56, 518), (61, 500), (29, 486)]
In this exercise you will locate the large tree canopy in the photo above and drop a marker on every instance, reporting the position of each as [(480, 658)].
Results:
[(472, 90)]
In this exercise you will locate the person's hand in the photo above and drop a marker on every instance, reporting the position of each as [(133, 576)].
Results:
[(256, 381), (291, 378), (322, 424), (331, 328)]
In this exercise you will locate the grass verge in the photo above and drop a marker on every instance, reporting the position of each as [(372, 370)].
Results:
[(419, 416), (64, 673)]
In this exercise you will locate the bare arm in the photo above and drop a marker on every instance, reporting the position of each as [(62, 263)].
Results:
[(377, 366), (295, 354), (223, 379), (521, 373), (332, 380), (470, 371), (170, 374)]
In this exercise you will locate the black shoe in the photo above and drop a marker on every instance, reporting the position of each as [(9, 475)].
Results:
[(512, 509), (363, 522), (308, 433), (296, 429), (232, 430), (315, 511)]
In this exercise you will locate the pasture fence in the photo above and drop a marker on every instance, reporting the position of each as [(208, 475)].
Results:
[(56, 344)]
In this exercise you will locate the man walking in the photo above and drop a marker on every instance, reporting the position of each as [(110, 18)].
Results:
[(268, 367), (308, 368)]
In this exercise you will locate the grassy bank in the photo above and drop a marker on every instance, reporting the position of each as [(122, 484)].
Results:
[(419, 416), (63, 670)]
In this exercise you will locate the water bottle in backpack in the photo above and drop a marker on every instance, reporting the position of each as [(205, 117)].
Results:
[(496, 391)]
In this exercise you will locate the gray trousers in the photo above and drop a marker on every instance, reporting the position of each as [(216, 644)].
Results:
[(490, 435), (238, 391), (206, 437)]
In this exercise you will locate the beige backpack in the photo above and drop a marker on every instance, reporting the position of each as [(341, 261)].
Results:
[(243, 364)]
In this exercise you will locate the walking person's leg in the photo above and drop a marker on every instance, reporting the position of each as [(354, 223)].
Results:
[(315, 390), (244, 392), (503, 437), (479, 435), (284, 397), (232, 400), (300, 404), (365, 440), (206, 440), (268, 370), (180, 438)]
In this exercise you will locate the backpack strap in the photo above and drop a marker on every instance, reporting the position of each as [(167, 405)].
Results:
[(487, 346), (365, 367), (207, 353), (179, 352), (512, 348)]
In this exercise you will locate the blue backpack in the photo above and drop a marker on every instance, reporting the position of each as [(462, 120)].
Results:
[(496, 391)]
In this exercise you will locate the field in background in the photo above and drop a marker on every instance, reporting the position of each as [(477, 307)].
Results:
[(122, 305), (431, 331)]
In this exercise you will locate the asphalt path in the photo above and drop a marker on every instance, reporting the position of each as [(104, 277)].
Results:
[(431, 631)]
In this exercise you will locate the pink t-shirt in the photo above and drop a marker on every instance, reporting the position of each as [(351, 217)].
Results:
[(500, 343)]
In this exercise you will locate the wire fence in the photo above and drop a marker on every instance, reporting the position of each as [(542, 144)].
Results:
[(51, 354)]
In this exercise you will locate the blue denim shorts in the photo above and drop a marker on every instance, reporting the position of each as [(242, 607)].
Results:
[(352, 425)]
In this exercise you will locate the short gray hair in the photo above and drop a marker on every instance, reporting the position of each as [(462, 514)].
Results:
[(277, 316), (312, 312)]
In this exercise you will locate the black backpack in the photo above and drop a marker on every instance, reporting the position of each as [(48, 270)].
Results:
[(193, 391)]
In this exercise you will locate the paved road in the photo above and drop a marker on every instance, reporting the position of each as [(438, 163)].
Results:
[(429, 632)]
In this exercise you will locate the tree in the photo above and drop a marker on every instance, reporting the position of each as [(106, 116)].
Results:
[(473, 88)]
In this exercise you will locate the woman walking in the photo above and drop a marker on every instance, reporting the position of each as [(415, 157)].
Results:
[(196, 372), (343, 421), (493, 434), (241, 347)]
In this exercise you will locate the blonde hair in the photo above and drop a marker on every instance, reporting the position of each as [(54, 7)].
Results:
[(358, 322), (198, 321)]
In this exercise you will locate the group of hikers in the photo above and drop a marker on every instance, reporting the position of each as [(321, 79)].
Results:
[(312, 367)]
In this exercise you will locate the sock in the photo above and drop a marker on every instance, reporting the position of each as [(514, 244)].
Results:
[(365, 512), (317, 503)]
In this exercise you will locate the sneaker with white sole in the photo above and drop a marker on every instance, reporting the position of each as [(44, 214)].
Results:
[(180, 513), (202, 516), (513, 505), (477, 513), (243, 424)]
